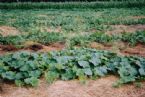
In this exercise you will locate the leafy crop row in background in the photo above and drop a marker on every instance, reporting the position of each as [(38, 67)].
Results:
[(70, 20), (25, 68), (100, 37), (63, 0), (48, 38), (44, 38), (71, 5)]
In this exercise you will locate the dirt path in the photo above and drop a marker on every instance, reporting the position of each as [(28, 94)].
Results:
[(99, 88)]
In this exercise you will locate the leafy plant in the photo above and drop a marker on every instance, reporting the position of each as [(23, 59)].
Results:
[(25, 68)]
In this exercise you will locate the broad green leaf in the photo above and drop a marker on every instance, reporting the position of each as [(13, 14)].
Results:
[(83, 64), (95, 61), (51, 76), (35, 73), (69, 74), (19, 75), (88, 71), (25, 67), (32, 81), (142, 71), (19, 83), (101, 71), (9, 75)]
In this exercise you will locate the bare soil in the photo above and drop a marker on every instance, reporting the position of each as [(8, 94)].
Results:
[(6, 31), (121, 48), (101, 87), (117, 29), (137, 17), (4, 49)]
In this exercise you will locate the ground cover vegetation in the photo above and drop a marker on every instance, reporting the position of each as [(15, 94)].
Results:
[(49, 26), (73, 24), (25, 68), (72, 5)]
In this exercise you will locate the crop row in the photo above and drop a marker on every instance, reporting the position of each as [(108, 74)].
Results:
[(71, 21), (25, 68), (131, 38), (58, 0), (72, 5), (44, 38), (48, 38)]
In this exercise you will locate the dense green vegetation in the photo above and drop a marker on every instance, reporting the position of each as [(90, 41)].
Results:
[(72, 5), (75, 23), (48, 38), (70, 20), (61, 0), (43, 38), (25, 68), (131, 38)]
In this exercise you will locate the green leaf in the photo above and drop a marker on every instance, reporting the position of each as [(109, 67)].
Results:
[(101, 71), (88, 71), (95, 61), (9, 75), (19, 75), (19, 83), (24, 68), (84, 64), (51, 76), (127, 74), (142, 71), (69, 74), (35, 73), (32, 81)]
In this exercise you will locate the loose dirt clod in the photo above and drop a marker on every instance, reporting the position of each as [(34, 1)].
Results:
[(36, 47), (8, 48)]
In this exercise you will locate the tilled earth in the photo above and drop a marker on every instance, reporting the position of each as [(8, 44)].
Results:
[(93, 88)]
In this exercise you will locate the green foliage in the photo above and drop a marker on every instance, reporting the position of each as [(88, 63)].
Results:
[(15, 40), (25, 68), (103, 38), (79, 41), (45, 37), (22, 67), (70, 20), (40, 37), (134, 38), (71, 5), (131, 38)]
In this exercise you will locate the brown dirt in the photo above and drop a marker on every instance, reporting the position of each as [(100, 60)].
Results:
[(7, 48), (93, 88), (6, 31), (117, 29), (137, 17), (137, 50), (121, 48), (53, 47), (57, 29), (49, 29), (4, 49)]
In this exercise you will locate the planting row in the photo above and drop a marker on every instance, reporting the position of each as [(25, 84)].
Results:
[(131, 38), (71, 21), (72, 5), (25, 68), (48, 38), (19, 40)]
